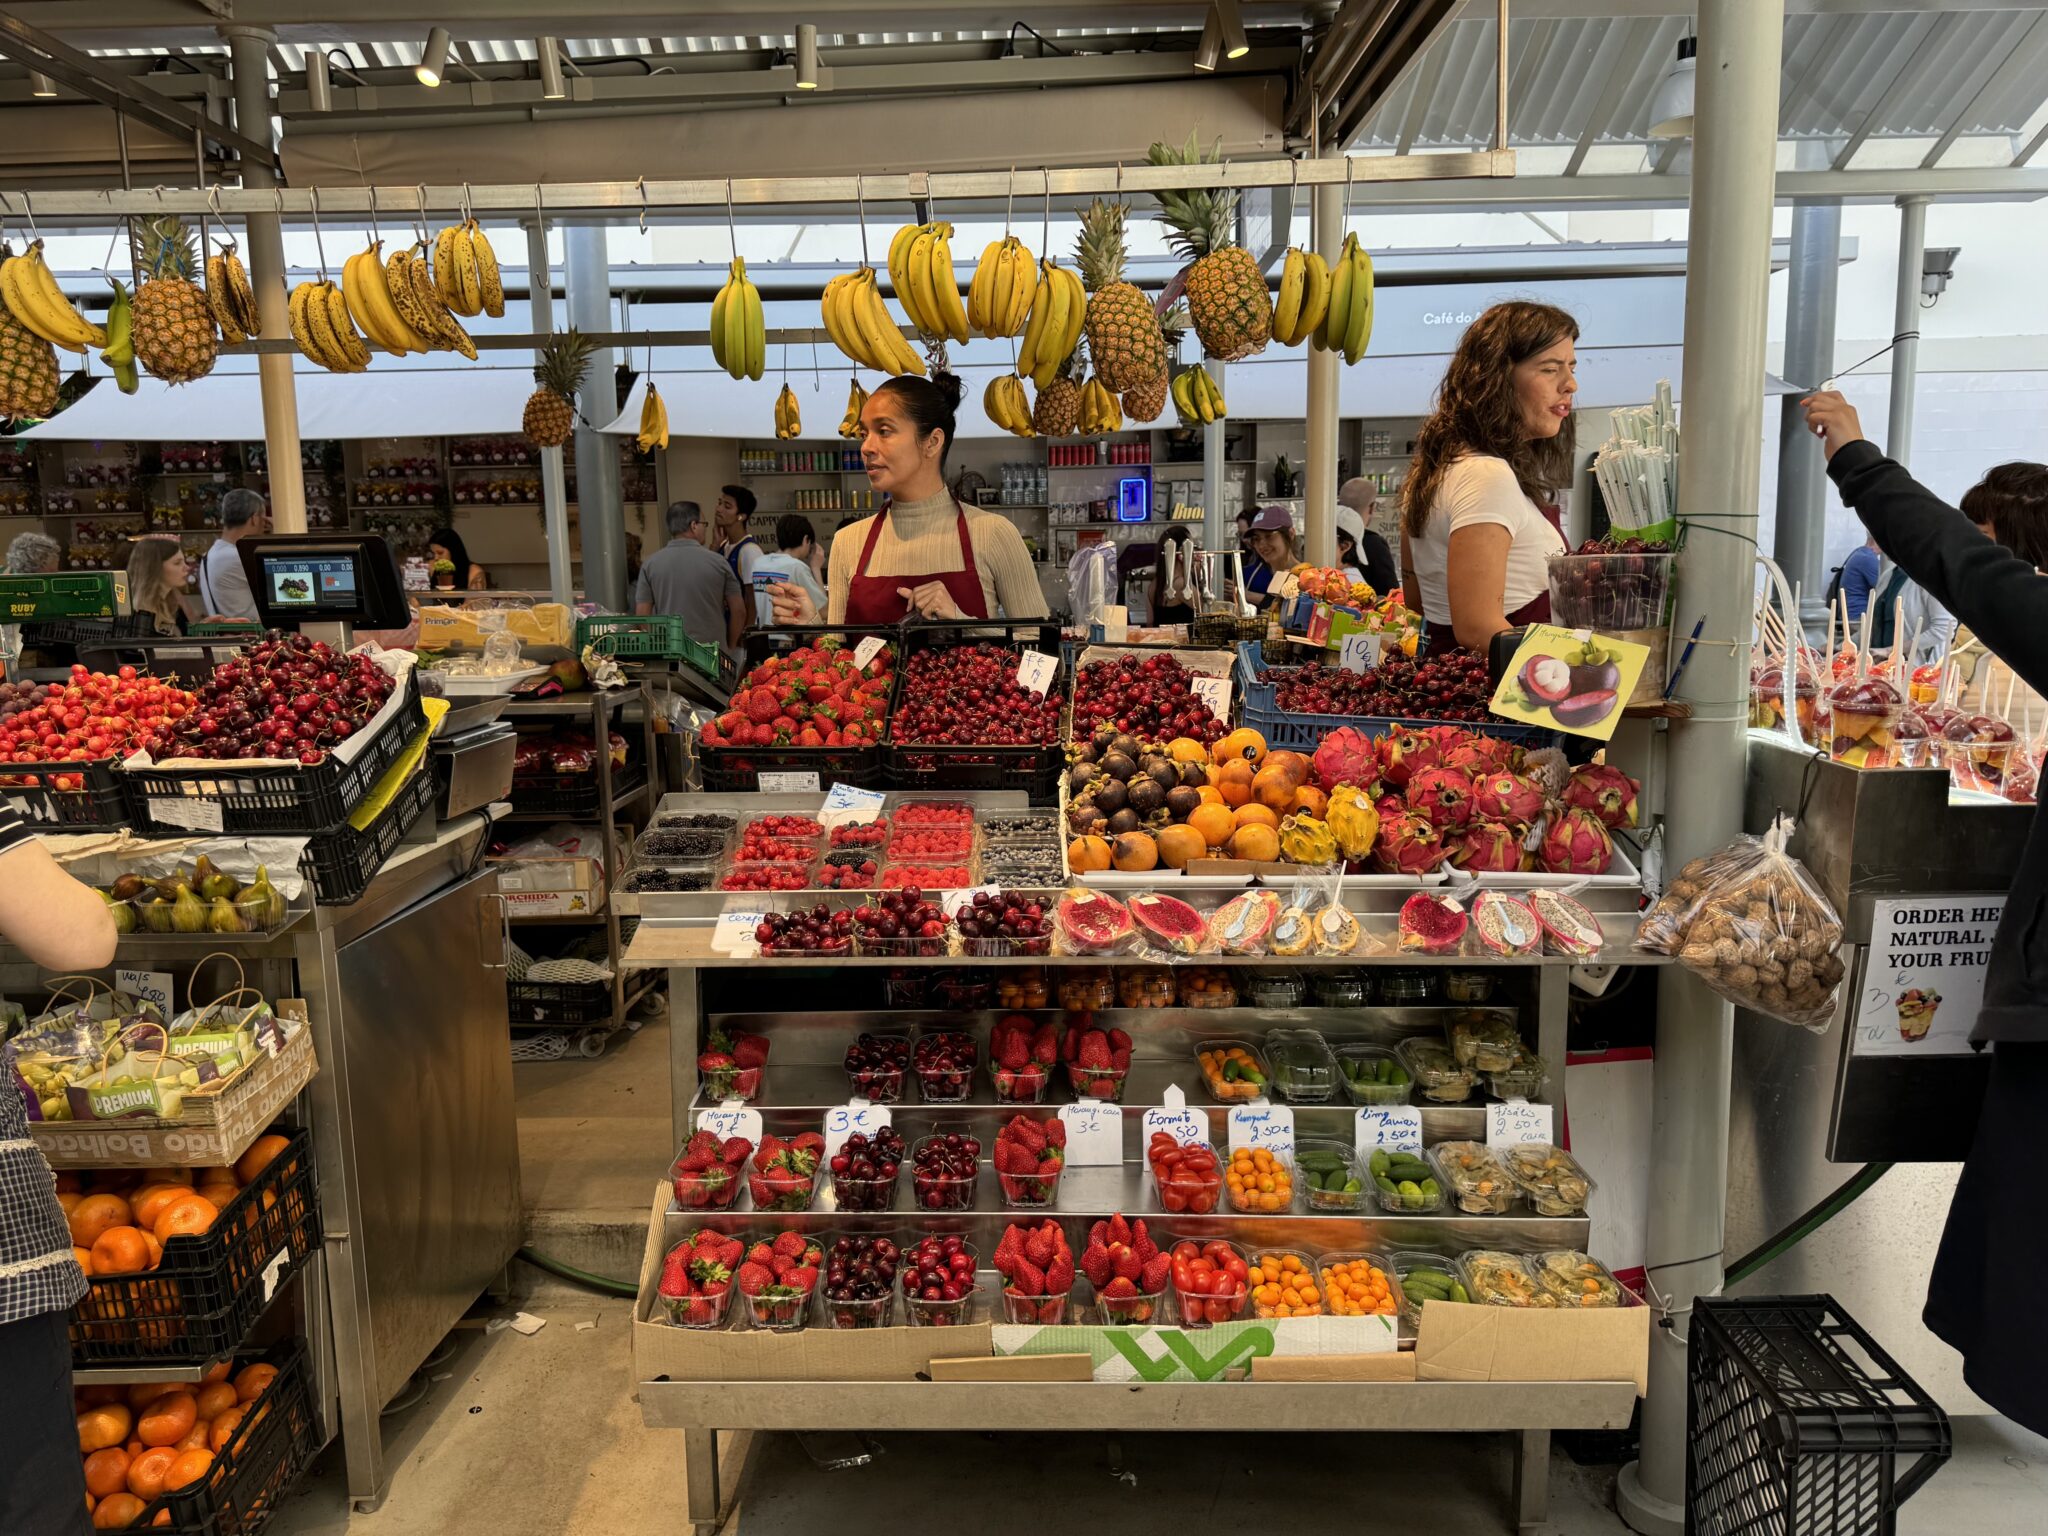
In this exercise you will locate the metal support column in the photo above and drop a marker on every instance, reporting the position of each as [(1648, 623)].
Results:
[(600, 515), (554, 493), (1898, 432), (1726, 324), (1800, 544), (249, 52), (1218, 531), (1319, 512)]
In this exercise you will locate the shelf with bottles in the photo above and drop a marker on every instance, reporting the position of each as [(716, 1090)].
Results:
[(1100, 453), (493, 453), (799, 461)]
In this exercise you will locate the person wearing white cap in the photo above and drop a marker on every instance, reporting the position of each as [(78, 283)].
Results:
[(1363, 554)]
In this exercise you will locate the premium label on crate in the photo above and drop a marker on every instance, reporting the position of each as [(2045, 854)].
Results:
[(789, 783)]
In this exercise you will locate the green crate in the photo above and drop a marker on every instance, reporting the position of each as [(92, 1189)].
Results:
[(94, 595), (224, 629), (646, 637)]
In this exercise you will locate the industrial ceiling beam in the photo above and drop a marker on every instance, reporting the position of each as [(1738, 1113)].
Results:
[(1998, 80), (1614, 62), (1930, 32), (112, 88)]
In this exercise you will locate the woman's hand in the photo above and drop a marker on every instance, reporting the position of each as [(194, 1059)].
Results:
[(1833, 419), (789, 603), (931, 600)]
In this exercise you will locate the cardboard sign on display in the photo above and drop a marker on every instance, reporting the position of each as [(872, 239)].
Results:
[(1570, 680), (1922, 978), (1150, 1352)]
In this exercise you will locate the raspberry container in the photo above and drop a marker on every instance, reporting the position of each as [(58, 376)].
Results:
[(778, 1314), (880, 1084), (1471, 1172), (867, 834), (1371, 1074), (942, 1084)]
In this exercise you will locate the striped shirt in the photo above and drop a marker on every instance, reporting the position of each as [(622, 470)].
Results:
[(37, 1274)]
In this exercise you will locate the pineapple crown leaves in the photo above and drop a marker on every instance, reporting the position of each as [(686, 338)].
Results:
[(167, 248), (564, 360), (1099, 249), (1203, 220)]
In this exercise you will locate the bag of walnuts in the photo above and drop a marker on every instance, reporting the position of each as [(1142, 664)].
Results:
[(1750, 922)]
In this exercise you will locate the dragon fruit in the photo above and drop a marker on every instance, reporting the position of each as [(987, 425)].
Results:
[(1169, 922), (1091, 923), (1408, 844), (1575, 843), (1346, 756), (1392, 803), (1442, 794), (1502, 796), (1306, 840), (1430, 924), (1486, 847), (1471, 758), (1604, 790), (1446, 738), (1354, 821), (1403, 754)]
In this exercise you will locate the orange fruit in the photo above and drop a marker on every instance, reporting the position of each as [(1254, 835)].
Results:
[(1257, 843), (149, 1202), (259, 1157), (1234, 782), (1213, 823), (1185, 749), (163, 1517), (142, 1393), (146, 1472), (216, 1398), (94, 1214), (184, 1217), (1086, 853), (101, 1427), (219, 1372), (1243, 745), (1179, 844), (67, 1200), (84, 1258), (189, 1467), (156, 1249), (253, 1381), (116, 1511), (1274, 788), (106, 1472), (169, 1419), (1135, 852), (1256, 815), (1209, 794), (201, 1436), (216, 1175), (120, 1251), (1310, 801), (1293, 764), (223, 1430)]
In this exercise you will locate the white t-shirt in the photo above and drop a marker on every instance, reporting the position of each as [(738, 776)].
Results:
[(1481, 488)]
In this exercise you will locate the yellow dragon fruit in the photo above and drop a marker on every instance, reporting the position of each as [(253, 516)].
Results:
[(1306, 840), (1353, 821)]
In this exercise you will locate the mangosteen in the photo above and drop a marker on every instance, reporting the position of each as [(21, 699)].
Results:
[(1181, 802), (1081, 776), (1194, 775), (1163, 772), (1596, 677), (1103, 741), (1111, 796), (1086, 753), (1125, 820), (1084, 817), (1119, 766), (1146, 796), (1546, 679), (1125, 743)]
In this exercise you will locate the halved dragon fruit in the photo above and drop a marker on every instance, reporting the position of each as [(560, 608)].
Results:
[(1442, 794), (1604, 790), (1169, 922), (1242, 924), (1346, 756), (1486, 847), (1091, 923), (1431, 925), (1502, 796), (1576, 843), (1408, 844), (1505, 924), (1568, 928)]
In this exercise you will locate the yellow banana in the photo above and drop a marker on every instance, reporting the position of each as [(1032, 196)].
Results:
[(737, 359), (946, 286), (1023, 287), (1330, 334), (919, 301), (29, 290), (1034, 331), (1056, 350), (899, 263), (880, 332), (241, 296), (445, 281), (1183, 401), (788, 420), (653, 421), (468, 278), (980, 305), (369, 301), (1077, 310), (1358, 330), (1315, 298), (489, 286), (757, 334), (218, 302), (1287, 309), (354, 349), (828, 314), (856, 397)]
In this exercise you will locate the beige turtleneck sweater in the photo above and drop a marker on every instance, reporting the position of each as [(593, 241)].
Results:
[(920, 539)]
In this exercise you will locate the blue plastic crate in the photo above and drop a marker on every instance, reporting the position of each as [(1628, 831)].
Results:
[(1301, 733)]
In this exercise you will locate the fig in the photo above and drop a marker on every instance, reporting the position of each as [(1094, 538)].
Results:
[(1111, 796), (1583, 709), (188, 912), (124, 912), (221, 916), (272, 898), (127, 887), (1546, 679)]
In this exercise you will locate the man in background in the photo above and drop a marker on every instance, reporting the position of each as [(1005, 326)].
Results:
[(1859, 577), (223, 584), (741, 549), (794, 560), (1369, 553), (687, 578)]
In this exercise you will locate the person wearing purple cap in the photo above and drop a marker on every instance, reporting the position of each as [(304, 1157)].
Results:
[(1272, 552)]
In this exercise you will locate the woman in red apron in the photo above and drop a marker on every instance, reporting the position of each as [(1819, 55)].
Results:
[(1479, 521), (926, 556)]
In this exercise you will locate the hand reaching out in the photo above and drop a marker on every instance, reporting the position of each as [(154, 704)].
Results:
[(1833, 419)]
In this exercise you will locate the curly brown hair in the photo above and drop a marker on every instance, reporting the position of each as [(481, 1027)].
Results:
[(1476, 410)]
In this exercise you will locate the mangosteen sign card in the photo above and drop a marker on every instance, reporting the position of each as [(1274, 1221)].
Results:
[(1570, 680)]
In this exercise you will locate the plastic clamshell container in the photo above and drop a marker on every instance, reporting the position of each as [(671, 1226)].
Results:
[(1301, 1065), (1200, 1310), (1406, 989), (865, 1312), (905, 946), (778, 1314), (1022, 987), (1523, 1080), (907, 987), (1549, 1177), (767, 1199), (944, 1085), (882, 1085), (965, 990), (700, 1311), (919, 1313), (1576, 1279), (1104, 1084), (1245, 1196), (1484, 1042), (654, 878), (680, 845), (1087, 987), (1493, 1278), (1030, 1191), (1004, 946), (768, 877), (1363, 1070), (1126, 1311), (940, 1191), (1194, 1194), (1468, 987), (861, 834), (1406, 1183), (815, 830), (1435, 1070), (1329, 1261), (1474, 1177), (711, 821), (1233, 1069), (1332, 988), (1262, 1277), (1321, 1161), (1026, 1085), (1144, 986), (1050, 1311), (780, 850), (1206, 986), (877, 1194), (1439, 1273), (1273, 989), (710, 1189)]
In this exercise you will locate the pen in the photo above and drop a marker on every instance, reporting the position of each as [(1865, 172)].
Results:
[(1685, 655)]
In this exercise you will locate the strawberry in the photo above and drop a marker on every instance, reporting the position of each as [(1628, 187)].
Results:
[(750, 1050), (1142, 1242), (1059, 1274), (1119, 1230), (1102, 1087), (1028, 1133), (714, 1061), (1012, 1158), (1031, 1082), (1118, 1041), (710, 1274), (1015, 1051), (754, 1278), (1041, 1245), (1126, 1263), (1119, 1060), (1096, 1265), (761, 705), (706, 1239), (746, 1084), (1119, 1289), (1045, 1045), (1005, 1257), (1029, 1279), (804, 1278), (761, 1254), (696, 1162), (790, 1245), (1094, 1051), (1056, 1133), (811, 1142), (1156, 1271), (1099, 1233)]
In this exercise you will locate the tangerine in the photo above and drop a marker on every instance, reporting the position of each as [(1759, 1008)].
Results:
[(216, 1398), (219, 1372), (156, 1249), (1185, 749), (1243, 745), (106, 1472), (190, 1466), (185, 1217), (146, 1472), (1234, 782), (142, 1393), (150, 1201), (1261, 844), (1179, 844), (83, 1258), (202, 1433), (1256, 815), (116, 1511), (169, 1419), (253, 1381), (1213, 823), (120, 1251), (94, 1214), (103, 1426), (1088, 853), (223, 1429), (67, 1201), (262, 1152)]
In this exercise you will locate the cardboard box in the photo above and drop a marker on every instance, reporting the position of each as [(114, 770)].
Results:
[(557, 887), (1476, 1343), (737, 1353), (1395, 1367), (444, 628), (1016, 1368), (1224, 1352)]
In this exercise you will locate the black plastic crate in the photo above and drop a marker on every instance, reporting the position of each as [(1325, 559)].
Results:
[(738, 770), (295, 801), (922, 766), (342, 863), (89, 633), (97, 805), (571, 794), (201, 1301), (271, 1446), (534, 1003), (1797, 1424)]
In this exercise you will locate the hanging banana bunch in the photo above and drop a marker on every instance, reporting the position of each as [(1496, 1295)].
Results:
[(119, 352), (1099, 409), (921, 271), (739, 332), (849, 424), (1196, 396), (230, 297), (859, 324), (1346, 325), (999, 298), (465, 271), (1004, 403), (1058, 306), (419, 302), (787, 422), (366, 285), (323, 329), (29, 290), (1304, 297), (653, 421)]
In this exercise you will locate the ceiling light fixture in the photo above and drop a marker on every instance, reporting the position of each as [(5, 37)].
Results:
[(1671, 106), (1209, 51), (40, 84), (1235, 44), (319, 81), (551, 87), (806, 56), (433, 58)]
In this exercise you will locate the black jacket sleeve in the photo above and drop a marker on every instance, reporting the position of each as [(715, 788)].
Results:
[(1378, 561), (1985, 585)]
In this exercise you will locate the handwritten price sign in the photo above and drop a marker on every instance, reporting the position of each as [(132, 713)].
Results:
[(729, 1120), (844, 1120), (1270, 1126), (1095, 1134), (1516, 1122), (1395, 1127)]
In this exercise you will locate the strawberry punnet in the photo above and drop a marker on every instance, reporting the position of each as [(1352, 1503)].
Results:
[(1037, 1268)]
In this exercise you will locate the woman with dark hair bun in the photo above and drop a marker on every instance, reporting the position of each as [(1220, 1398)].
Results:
[(925, 555)]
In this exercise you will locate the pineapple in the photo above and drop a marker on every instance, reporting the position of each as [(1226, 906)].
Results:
[(1057, 411), (28, 370), (1145, 402), (550, 414), (175, 335), (1226, 291), (1123, 332)]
